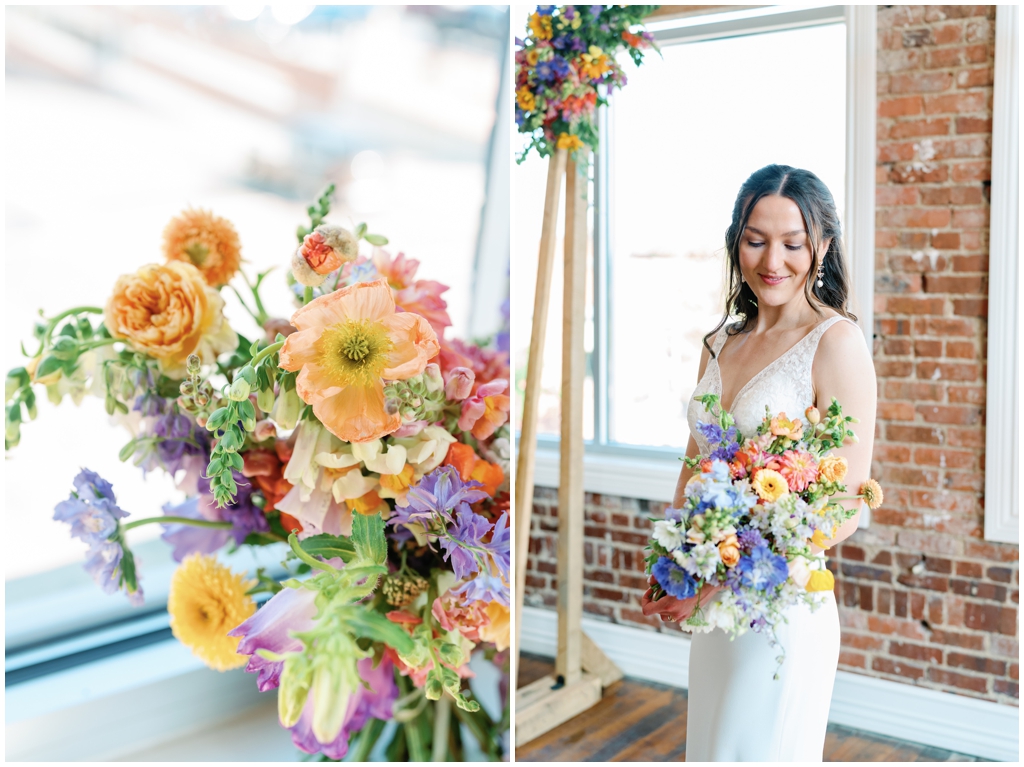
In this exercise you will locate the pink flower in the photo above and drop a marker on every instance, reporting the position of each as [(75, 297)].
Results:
[(422, 297), (486, 364), (269, 629), (799, 468), (486, 410), (454, 614), (459, 383)]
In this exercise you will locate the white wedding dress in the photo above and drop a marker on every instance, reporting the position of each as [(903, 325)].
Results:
[(736, 711)]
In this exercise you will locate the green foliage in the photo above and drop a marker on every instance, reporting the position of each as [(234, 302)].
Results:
[(329, 546), (317, 212), (368, 538)]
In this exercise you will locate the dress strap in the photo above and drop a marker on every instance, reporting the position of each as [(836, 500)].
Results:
[(819, 331), (719, 340)]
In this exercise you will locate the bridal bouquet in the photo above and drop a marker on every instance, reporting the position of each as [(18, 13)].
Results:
[(750, 516), (370, 448), (566, 67)]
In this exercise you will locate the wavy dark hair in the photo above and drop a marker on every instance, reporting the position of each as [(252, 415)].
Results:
[(822, 222)]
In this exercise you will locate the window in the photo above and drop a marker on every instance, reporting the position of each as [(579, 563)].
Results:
[(733, 92), (163, 108)]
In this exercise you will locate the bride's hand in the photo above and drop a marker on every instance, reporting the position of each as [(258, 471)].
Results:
[(671, 609)]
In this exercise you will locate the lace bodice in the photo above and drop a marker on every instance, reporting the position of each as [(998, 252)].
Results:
[(784, 385)]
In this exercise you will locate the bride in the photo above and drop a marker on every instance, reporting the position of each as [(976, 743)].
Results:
[(794, 345)]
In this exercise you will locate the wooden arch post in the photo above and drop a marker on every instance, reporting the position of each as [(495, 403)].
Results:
[(581, 669)]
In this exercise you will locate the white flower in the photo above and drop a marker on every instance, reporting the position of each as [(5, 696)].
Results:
[(668, 534), (703, 560), (722, 533)]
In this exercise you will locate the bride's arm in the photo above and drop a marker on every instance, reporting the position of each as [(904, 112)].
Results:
[(843, 369)]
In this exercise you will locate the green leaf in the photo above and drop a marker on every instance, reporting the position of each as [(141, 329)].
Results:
[(128, 574), (47, 366), (127, 451), (360, 231), (376, 239), (329, 546), (368, 537), (368, 623)]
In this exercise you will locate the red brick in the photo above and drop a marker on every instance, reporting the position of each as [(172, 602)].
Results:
[(964, 480), (596, 608), (999, 574), (916, 652), (601, 576), (961, 415), (635, 616), (895, 411), (882, 558), (977, 589), (915, 218), (996, 552), (637, 539), (965, 437), (924, 127), (953, 459), (1006, 688), (637, 582), (969, 569), (944, 34), (927, 348), (536, 582), (959, 284), (977, 263), (962, 350), (936, 195), (912, 390), (965, 195), (972, 171), (973, 78), (993, 618), (853, 659), (946, 240), (911, 629), (612, 595), (914, 305), (891, 453), (953, 639), (896, 195), (979, 31), (929, 582), (900, 107), (886, 666), (946, 326), (893, 368), (947, 371), (1014, 672), (970, 307), (931, 82), (1005, 647), (970, 218), (923, 434), (929, 542), (956, 103), (973, 125), (953, 679), (854, 553)]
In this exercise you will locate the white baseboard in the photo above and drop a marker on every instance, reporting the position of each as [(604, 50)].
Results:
[(903, 711)]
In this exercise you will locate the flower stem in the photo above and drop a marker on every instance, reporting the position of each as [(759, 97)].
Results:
[(177, 521), (307, 295), (266, 353), (442, 721), (293, 541)]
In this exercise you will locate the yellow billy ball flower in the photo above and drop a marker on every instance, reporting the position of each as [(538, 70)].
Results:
[(770, 485), (207, 600)]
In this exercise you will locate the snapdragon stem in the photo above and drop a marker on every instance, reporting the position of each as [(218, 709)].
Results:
[(262, 355), (177, 521)]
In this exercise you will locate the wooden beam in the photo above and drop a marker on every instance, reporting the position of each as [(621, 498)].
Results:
[(543, 705), (597, 663), (570, 486), (528, 434)]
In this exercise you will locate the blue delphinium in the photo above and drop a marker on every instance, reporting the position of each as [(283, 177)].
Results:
[(762, 569), (464, 543), (674, 579)]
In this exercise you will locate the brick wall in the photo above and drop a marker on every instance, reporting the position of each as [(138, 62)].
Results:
[(923, 598)]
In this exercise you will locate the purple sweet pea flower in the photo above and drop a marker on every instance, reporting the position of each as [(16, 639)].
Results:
[(363, 705), (190, 539), (438, 493), (102, 565), (91, 510), (288, 610)]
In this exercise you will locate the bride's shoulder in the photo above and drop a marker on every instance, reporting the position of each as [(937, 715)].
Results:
[(843, 350)]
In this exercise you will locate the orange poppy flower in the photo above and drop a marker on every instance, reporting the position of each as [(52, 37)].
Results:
[(348, 342)]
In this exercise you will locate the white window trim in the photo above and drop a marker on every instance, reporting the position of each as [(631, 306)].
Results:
[(1002, 516), (651, 474)]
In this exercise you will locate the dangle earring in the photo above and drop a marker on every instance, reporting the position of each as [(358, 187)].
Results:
[(821, 273)]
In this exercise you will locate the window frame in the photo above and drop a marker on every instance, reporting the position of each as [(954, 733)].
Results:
[(650, 472)]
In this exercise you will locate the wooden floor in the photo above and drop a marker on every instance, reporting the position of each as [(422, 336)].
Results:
[(642, 721)]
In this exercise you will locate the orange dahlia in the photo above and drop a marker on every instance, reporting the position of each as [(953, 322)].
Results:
[(208, 242), (348, 343)]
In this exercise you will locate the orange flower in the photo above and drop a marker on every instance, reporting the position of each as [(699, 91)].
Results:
[(569, 141), (469, 466), (799, 468), (168, 312), (208, 242), (783, 427), (832, 469), (872, 492), (729, 551), (368, 504), (347, 343)]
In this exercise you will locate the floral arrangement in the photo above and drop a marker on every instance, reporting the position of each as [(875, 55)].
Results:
[(357, 438), (567, 66), (749, 519)]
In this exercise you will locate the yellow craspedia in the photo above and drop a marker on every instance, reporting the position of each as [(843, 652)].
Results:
[(207, 600), (821, 580), (770, 485)]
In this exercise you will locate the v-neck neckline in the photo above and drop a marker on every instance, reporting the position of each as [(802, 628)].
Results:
[(762, 371)]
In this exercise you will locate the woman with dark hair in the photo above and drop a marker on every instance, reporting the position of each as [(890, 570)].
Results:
[(792, 344)]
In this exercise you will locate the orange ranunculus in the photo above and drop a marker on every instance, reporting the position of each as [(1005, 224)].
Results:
[(783, 427), (832, 468), (348, 342), (169, 312), (729, 551), (208, 242)]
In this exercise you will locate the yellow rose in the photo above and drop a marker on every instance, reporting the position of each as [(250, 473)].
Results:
[(769, 485), (832, 469), (821, 580), (168, 312), (497, 628)]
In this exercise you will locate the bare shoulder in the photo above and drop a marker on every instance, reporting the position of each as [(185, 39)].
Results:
[(843, 356)]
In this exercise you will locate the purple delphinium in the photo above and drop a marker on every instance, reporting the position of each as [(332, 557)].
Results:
[(289, 610), (438, 494), (674, 579), (762, 570), (484, 587), (190, 539), (244, 515), (177, 443), (102, 564), (750, 539), (91, 510), (500, 545), (364, 704)]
